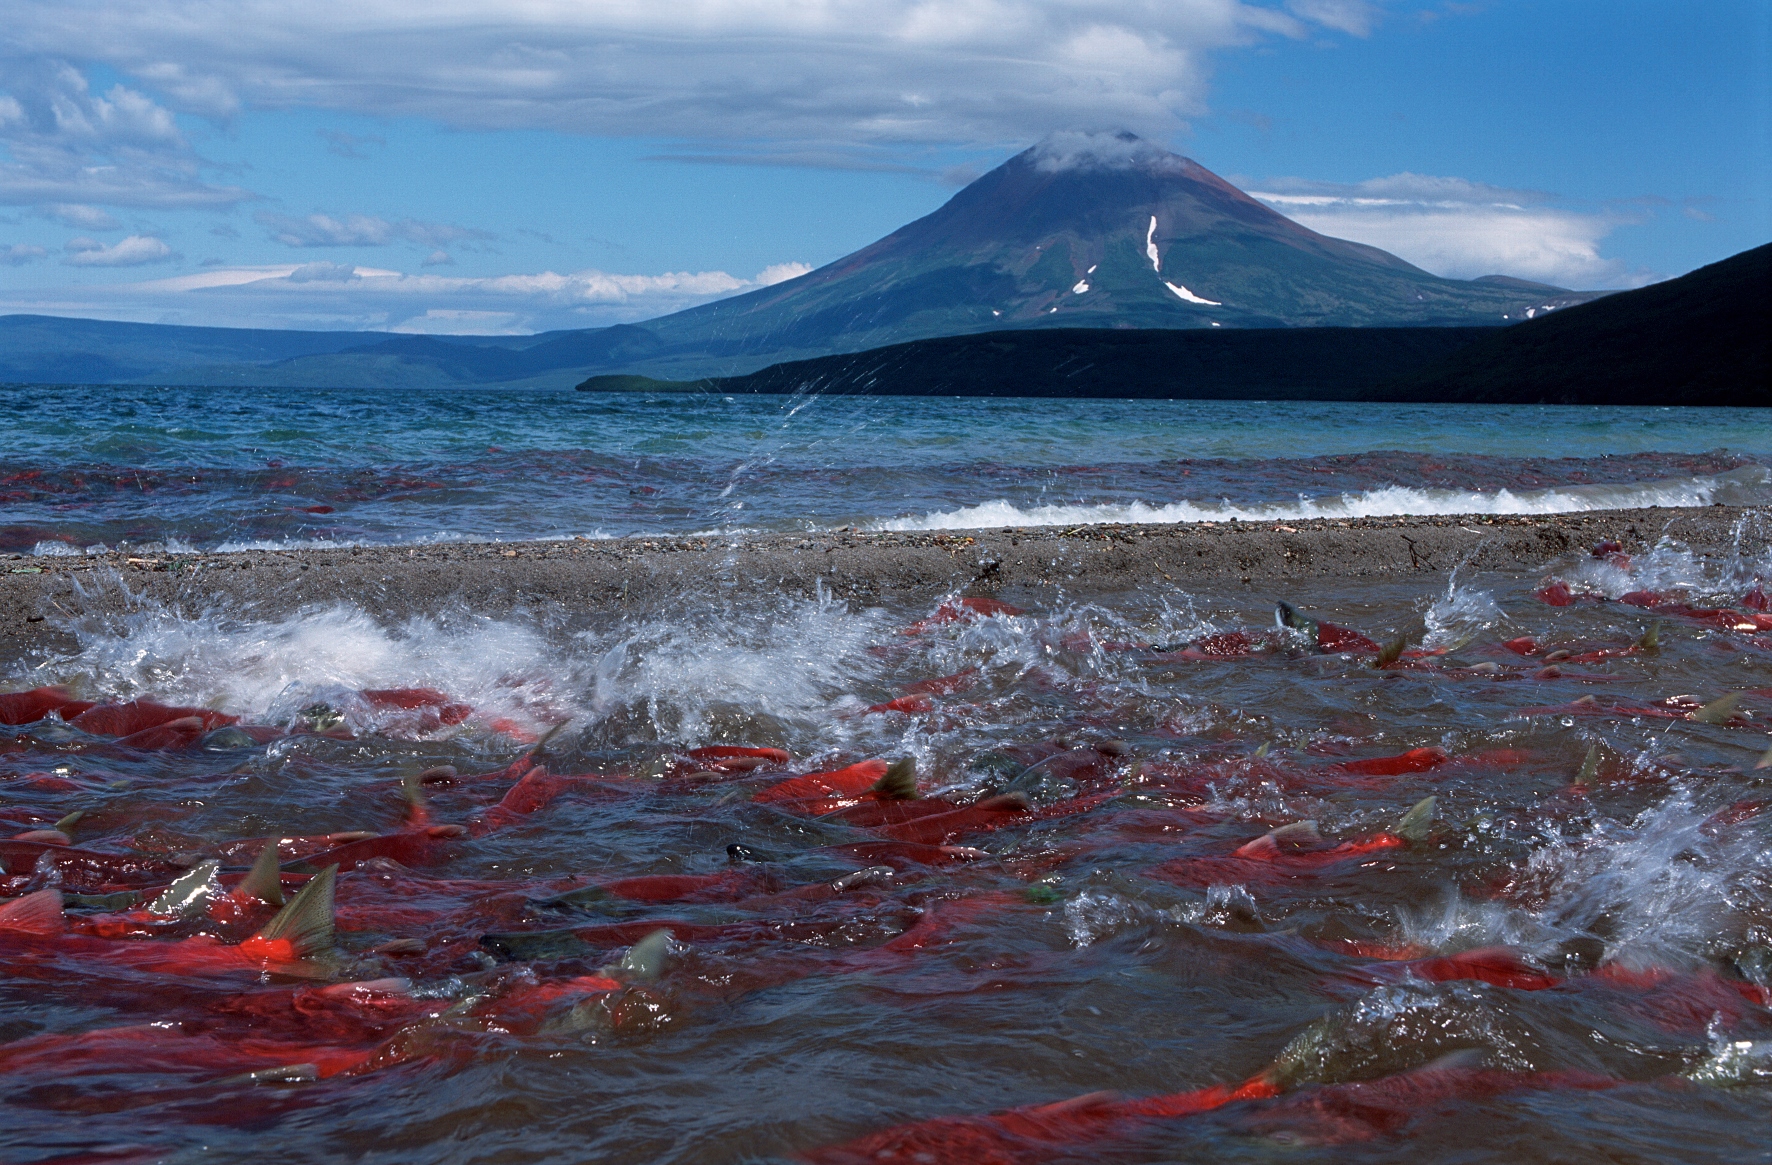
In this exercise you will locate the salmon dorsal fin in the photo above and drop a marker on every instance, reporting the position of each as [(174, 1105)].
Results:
[(900, 781), (1416, 823), (1296, 837), (306, 922), (645, 960), (38, 913), (263, 881), (1651, 640), (1590, 766), (1718, 711), (187, 890)]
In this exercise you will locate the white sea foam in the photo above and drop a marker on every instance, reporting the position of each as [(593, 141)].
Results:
[(680, 677), (1660, 891), (265, 669), (1460, 615), (1748, 485)]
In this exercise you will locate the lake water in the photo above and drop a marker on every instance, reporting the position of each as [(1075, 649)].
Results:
[(1567, 954), (236, 468)]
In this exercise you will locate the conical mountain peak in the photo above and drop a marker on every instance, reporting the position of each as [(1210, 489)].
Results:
[(1084, 229)]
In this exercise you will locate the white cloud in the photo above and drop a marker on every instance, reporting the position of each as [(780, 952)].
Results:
[(832, 72), (337, 295), (1459, 228), (1083, 150), (134, 251), (68, 147)]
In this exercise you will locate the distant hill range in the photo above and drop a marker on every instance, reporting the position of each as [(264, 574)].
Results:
[(1081, 231), (1702, 339)]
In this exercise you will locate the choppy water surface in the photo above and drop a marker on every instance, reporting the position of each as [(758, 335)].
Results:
[(1565, 954), (232, 468)]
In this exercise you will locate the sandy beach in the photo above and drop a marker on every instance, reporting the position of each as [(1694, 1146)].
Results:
[(585, 576)]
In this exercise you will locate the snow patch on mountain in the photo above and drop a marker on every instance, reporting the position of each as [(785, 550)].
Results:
[(1190, 296)]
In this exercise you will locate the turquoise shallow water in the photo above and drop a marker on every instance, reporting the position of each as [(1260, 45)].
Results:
[(225, 467)]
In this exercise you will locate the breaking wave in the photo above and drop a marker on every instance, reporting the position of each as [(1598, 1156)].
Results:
[(1749, 485)]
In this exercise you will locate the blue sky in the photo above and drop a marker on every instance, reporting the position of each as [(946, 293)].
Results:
[(516, 166)]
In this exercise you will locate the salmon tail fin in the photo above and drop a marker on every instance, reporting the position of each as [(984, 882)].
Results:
[(38, 913), (187, 890), (306, 922), (1266, 747), (1651, 640), (264, 880), (1391, 652), (1718, 711), (540, 748), (645, 960), (1590, 766), (1765, 761), (412, 789), (66, 824), (900, 781), (1417, 823)]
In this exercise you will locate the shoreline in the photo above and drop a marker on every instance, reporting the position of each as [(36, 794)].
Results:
[(583, 576)]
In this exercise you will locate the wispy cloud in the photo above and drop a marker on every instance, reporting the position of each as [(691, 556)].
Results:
[(810, 75), (1460, 228), (341, 295), (360, 230), (134, 251), (73, 214), (18, 254)]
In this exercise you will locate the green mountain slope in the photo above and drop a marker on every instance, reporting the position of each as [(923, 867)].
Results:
[(1704, 338)]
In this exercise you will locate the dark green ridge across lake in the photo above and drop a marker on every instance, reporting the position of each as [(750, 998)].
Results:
[(1697, 340)]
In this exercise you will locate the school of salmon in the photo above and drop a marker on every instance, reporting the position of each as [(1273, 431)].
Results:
[(1143, 878)]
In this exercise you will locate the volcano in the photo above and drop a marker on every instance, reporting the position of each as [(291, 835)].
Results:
[(1082, 231), (1093, 231)]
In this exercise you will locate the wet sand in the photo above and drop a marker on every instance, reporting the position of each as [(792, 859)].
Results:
[(586, 577)]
